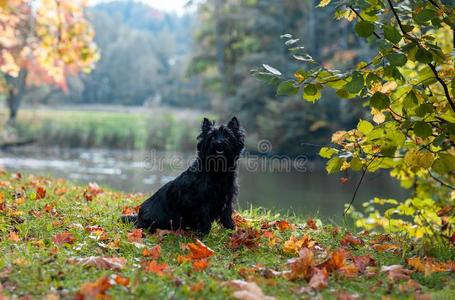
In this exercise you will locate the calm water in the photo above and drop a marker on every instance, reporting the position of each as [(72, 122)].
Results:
[(310, 192)]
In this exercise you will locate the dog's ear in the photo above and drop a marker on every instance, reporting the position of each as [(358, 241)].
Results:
[(206, 126), (234, 124)]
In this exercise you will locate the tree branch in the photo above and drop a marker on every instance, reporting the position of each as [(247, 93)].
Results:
[(440, 181), (432, 67)]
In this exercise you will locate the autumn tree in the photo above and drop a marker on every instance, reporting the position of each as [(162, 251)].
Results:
[(42, 42), (408, 86)]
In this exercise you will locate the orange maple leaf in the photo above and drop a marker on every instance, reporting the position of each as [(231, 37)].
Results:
[(135, 236), (64, 238), (40, 192), (200, 264), (153, 252), (94, 290), (154, 267)]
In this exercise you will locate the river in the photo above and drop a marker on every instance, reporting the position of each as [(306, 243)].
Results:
[(306, 189)]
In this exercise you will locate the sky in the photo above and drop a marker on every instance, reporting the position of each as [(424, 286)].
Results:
[(177, 6)]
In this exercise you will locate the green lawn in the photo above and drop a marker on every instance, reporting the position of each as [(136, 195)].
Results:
[(46, 224)]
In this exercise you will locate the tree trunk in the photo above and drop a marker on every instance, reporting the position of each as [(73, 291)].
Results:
[(15, 94), (13, 102)]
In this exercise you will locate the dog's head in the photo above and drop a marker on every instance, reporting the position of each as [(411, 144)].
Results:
[(226, 140)]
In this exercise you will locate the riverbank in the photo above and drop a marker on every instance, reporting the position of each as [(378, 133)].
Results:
[(111, 127), (61, 240)]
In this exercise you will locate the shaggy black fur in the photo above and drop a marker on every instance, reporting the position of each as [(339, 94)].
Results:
[(205, 192)]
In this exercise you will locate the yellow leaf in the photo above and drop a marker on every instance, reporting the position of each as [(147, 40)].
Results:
[(324, 3)]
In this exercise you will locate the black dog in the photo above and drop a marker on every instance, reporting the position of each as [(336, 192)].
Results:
[(205, 192)]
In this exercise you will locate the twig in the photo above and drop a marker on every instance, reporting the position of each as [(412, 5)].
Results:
[(364, 171), (441, 182)]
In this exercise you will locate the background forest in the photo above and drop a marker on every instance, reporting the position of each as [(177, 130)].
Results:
[(153, 58)]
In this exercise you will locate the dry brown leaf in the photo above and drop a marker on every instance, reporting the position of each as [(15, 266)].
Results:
[(293, 245), (396, 272), (107, 263), (350, 240), (64, 238), (428, 265), (135, 236), (154, 267), (153, 252), (247, 237), (247, 290), (94, 290), (302, 266)]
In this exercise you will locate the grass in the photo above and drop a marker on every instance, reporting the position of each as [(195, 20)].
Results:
[(160, 129), (34, 265)]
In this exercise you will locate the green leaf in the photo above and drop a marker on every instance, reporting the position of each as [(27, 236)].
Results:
[(287, 88), (355, 164), (424, 16), (424, 109), (364, 126), (356, 84), (397, 59), (327, 152), (334, 165), (364, 29), (311, 93), (379, 101), (422, 129), (392, 34), (410, 100), (423, 56), (444, 164)]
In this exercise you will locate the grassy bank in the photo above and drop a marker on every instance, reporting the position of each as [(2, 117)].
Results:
[(139, 129), (48, 227)]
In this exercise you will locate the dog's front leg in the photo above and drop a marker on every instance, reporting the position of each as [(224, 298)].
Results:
[(204, 225), (226, 217)]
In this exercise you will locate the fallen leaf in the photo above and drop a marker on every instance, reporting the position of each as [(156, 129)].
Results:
[(396, 272), (344, 295), (94, 290), (281, 225), (197, 286), (40, 192), (13, 237), (319, 280), (427, 265), (302, 266), (135, 235), (311, 224), (272, 238), (121, 280), (200, 264), (60, 191), (198, 250), (154, 267), (293, 245), (63, 238), (248, 238), (130, 211), (247, 290), (363, 261), (92, 191), (153, 252), (385, 247), (101, 262), (240, 221), (350, 240)]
